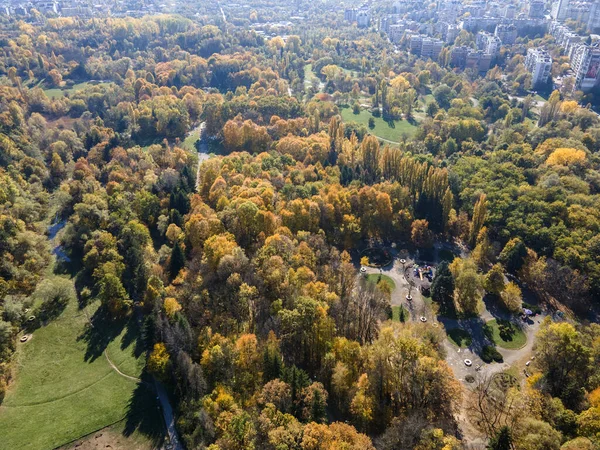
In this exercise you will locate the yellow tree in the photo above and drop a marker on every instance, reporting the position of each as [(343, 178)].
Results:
[(362, 403), (511, 297), (479, 216), (158, 361)]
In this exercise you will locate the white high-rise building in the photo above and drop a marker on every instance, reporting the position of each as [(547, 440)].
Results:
[(560, 10), (488, 43), (585, 62), (539, 63)]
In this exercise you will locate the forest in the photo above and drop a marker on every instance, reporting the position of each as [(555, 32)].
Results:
[(242, 267)]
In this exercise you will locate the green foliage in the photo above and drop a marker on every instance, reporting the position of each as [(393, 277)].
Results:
[(177, 260), (502, 440), (459, 337), (442, 287), (505, 334), (489, 354)]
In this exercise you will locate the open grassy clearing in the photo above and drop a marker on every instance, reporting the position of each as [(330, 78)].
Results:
[(376, 278), (64, 387), (60, 92), (505, 334), (382, 128), (309, 75), (189, 143)]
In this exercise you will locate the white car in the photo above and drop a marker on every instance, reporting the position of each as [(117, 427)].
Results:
[(468, 362), (363, 270)]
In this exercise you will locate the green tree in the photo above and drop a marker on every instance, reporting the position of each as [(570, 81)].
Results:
[(442, 288), (513, 255), (468, 289), (177, 261), (502, 440), (564, 361), (494, 280), (432, 109)]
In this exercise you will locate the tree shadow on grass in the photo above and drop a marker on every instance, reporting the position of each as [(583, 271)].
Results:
[(100, 332), (144, 414), (133, 335)]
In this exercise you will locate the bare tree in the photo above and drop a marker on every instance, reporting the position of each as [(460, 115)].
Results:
[(490, 405)]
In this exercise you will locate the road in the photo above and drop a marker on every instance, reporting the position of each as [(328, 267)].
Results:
[(455, 357), (418, 308), (168, 415)]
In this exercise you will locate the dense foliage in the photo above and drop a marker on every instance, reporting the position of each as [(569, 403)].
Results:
[(242, 269)]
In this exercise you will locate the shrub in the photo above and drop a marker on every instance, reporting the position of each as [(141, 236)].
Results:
[(489, 354), (52, 296)]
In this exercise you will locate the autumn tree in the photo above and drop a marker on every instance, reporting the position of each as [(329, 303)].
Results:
[(468, 289)]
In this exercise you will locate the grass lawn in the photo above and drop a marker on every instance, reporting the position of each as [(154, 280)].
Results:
[(505, 334), (309, 74), (64, 387), (189, 143), (428, 98), (382, 129), (458, 337), (60, 92), (376, 277), (396, 313)]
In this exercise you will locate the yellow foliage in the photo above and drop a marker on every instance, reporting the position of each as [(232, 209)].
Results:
[(594, 397), (400, 83), (566, 157), (158, 360), (569, 107), (171, 306)]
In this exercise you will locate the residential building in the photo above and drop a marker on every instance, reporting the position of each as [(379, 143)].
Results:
[(586, 66), (507, 33), (488, 43), (363, 18), (560, 10), (350, 14), (539, 64), (425, 47), (510, 11), (478, 60), (458, 56), (536, 9)]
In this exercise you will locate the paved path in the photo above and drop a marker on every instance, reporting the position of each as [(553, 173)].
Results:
[(168, 415), (161, 395), (418, 308)]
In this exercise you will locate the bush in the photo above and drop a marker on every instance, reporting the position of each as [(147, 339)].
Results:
[(489, 354), (52, 296)]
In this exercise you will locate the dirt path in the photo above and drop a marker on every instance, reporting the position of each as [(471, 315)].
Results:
[(116, 369)]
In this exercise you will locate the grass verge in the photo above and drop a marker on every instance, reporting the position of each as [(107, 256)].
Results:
[(377, 277), (505, 334)]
